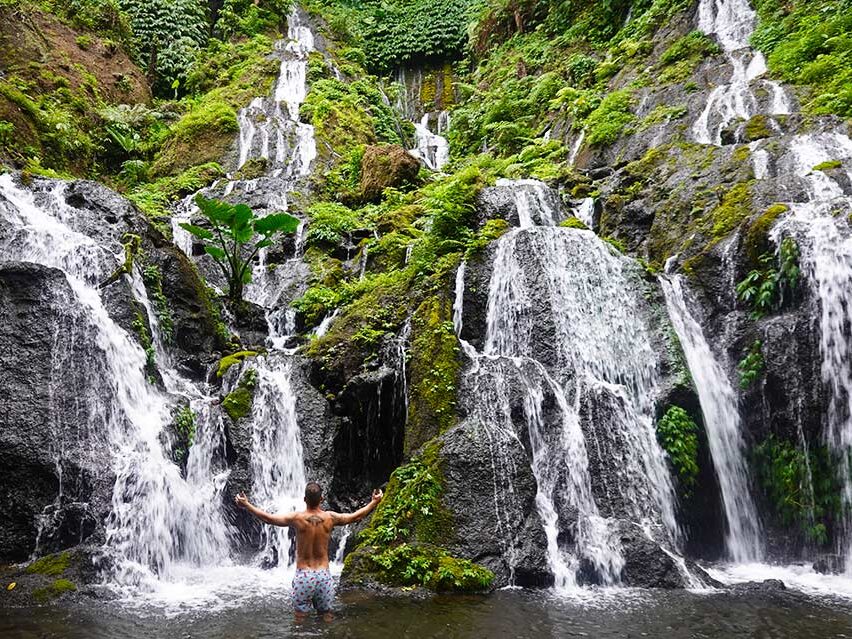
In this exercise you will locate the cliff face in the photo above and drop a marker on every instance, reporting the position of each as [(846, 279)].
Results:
[(604, 328)]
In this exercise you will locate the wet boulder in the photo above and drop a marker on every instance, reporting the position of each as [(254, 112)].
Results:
[(386, 166), (57, 478)]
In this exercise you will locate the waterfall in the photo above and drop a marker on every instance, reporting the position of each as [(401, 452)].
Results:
[(269, 126), (825, 241), (277, 465), (432, 148), (565, 331), (586, 212), (270, 129), (732, 22), (158, 519), (722, 425)]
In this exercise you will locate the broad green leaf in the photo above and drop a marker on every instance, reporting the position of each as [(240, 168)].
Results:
[(197, 231), (264, 243), (216, 211), (241, 225), (276, 223), (216, 252), (247, 276)]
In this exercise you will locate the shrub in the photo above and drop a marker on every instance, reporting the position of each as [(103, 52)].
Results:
[(678, 435), (752, 365), (609, 120)]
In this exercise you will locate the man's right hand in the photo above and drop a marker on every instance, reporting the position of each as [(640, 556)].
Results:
[(377, 496), (241, 500)]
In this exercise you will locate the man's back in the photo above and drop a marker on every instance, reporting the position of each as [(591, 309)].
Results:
[(313, 530), (313, 586)]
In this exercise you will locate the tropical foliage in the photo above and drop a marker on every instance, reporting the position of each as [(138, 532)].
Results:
[(235, 236)]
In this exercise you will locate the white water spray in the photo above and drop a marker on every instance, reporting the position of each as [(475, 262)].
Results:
[(722, 424)]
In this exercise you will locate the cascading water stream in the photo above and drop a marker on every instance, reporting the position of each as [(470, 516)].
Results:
[(562, 324), (432, 148), (732, 22), (270, 130), (825, 241), (722, 425), (159, 520)]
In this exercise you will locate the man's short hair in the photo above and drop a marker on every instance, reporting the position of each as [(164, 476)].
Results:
[(313, 494)]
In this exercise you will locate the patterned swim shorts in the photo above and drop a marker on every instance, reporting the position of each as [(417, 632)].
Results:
[(313, 588)]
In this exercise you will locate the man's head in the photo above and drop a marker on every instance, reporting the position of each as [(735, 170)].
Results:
[(313, 494)]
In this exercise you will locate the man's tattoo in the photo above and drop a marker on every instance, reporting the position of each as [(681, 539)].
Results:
[(315, 520)]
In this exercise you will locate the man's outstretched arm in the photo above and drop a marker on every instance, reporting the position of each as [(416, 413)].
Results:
[(341, 519), (284, 519)]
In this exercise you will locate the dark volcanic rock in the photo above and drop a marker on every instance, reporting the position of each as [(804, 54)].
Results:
[(50, 392), (506, 536)]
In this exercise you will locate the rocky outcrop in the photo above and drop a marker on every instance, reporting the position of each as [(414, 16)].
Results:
[(57, 482), (499, 530), (386, 166)]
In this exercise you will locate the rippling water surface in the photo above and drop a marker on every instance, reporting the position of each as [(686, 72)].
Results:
[(816, 614)]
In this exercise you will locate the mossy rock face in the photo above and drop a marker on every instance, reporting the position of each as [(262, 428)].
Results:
[(757, 128), (573, 223), (234, 358), (757, 236), (54, 590), (51, 565), (416, 564), (238, 403), (435, 369), (829, 165), (385, 166), (252, 169)]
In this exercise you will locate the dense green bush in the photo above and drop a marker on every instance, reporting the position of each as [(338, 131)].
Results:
[(678, 435), (809, 42), (609, 120), (168, 35), (399, 32), (803, 488), (249, 18)]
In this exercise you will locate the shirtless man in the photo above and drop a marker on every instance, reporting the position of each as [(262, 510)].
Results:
[(312, 585)]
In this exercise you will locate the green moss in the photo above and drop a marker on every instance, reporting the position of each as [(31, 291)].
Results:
[(401, 546), (226, 78), (56, 589), (143, 332), (52, 565), (610, 119), (153, 279), (435, 367), (662, 114), (741, 155), (238, 403), (573, 223), (252, 169), (614, 242), (684, 55), (736, 206), (234, 358), (347, 115), (757, 127), (490, 231), (828, 165), (155, 199), (757, 236)]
